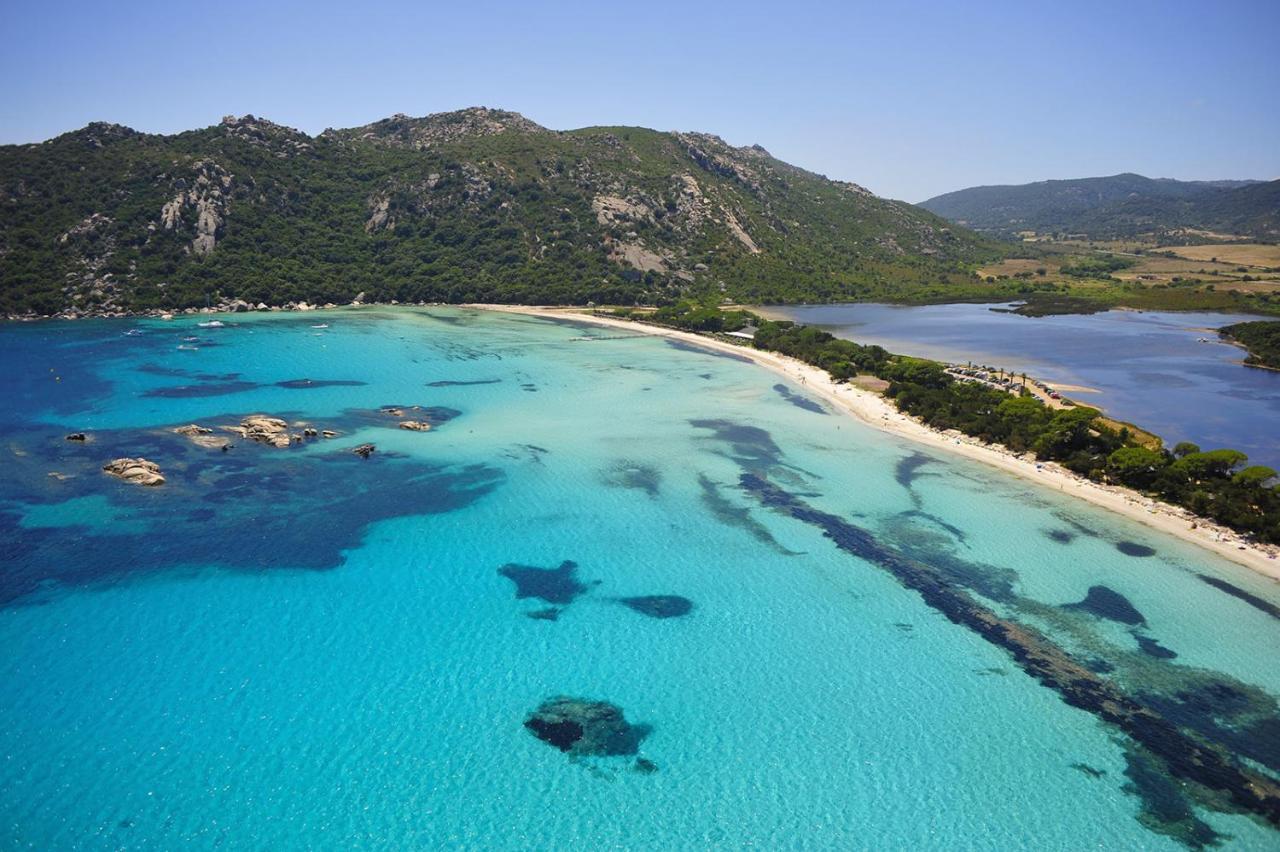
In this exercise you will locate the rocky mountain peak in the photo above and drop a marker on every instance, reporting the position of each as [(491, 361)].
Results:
[(260, 131), (441, 128), (98, 134), (249, 121), (109, 128)]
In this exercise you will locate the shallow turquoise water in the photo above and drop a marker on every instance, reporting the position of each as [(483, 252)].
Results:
[(294, 648)]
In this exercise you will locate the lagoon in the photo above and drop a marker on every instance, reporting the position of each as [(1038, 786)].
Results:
[(1166, 372)]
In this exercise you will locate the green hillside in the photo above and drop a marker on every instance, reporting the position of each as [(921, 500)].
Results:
[(475, 205)]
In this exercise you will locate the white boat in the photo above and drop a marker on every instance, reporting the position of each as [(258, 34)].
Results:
[(211, 324), (187, 348), (133, 332), (321, 325)]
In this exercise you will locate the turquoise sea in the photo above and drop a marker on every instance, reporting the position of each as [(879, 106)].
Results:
[(861, 644)]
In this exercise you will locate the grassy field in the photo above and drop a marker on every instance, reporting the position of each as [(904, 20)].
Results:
[(1241, 254), (1118, 246), (1013, 266), (1157, 269), (1237, 277), (1141, 436)]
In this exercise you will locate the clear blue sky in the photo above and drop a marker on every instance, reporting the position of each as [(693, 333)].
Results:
[(908, 99)]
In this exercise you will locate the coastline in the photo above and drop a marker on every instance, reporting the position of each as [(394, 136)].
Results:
[(874, 410), (1231, 341)]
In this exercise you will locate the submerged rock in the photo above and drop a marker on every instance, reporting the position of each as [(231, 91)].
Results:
[(1164, 802), (1097, 665), (364, 450), (1239, 593), (625, 473), (1109, 604), (551, 613), (1152, 648), (798, 400), (659, 606), (77, 436), (422, 418), (307, 384), (1088, 770), (447, 383), (135, 471), (579, 726), (558, 585), (1132, 548)]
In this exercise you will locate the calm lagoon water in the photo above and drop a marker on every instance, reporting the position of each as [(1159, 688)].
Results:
[(295, 648), (1149, 368)]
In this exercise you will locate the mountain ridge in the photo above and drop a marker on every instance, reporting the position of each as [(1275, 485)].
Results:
[(1121, 205), (476, 204)]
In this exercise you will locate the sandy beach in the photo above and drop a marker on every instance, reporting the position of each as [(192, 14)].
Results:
[(876, 411)]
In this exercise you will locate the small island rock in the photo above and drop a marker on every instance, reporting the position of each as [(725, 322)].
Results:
[(135, 471), (202, 436), (264, 430)]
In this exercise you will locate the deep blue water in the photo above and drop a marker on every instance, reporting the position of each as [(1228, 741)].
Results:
[(297, 648), (1148, 367)]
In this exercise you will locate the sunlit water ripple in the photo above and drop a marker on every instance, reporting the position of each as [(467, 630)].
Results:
[(296, 647)]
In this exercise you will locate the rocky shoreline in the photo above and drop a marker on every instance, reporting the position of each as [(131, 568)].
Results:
[(225, 306), (257, 429)]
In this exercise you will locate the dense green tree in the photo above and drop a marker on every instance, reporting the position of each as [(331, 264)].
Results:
[(1208, 465), (1137, 467), (1254, 475)]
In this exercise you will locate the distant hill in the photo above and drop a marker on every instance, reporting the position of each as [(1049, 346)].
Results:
[(1118, 206), (475, 205)]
